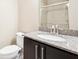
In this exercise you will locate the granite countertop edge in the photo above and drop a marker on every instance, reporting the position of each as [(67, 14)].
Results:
[(48, 43)]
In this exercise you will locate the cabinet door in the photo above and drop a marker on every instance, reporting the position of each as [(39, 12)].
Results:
[(30, 49), (55, 53)]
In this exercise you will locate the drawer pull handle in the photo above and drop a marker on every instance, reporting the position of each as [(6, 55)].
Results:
[(42, 53), (36, 51)]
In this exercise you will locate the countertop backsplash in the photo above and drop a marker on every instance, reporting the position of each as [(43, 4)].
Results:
[(63, 32)]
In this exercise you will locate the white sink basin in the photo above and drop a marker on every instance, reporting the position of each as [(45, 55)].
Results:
[(51, 37)]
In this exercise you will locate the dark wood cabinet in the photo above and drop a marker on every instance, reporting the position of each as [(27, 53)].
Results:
[(29, 49), (37, 50), (55, 53)]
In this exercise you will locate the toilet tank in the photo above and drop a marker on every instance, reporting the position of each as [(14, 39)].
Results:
[(20, 39)]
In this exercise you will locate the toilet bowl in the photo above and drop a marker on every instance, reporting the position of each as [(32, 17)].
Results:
[(12, 51), (9, 52)]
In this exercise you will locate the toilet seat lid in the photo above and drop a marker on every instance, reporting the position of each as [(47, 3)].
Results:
[(9, 49)]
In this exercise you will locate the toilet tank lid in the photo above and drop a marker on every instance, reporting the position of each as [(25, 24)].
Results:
[(9, 49), (20, 34)]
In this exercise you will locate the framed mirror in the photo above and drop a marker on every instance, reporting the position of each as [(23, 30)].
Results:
[(59, 12)]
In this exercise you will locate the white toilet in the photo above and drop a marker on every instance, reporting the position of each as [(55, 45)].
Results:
[(12, 51)]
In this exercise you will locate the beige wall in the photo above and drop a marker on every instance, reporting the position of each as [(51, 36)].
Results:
[(8, 21), (28, 15), (73, 14)]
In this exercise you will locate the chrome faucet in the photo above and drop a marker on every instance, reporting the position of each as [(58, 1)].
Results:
[(57, 29), (53, 29)]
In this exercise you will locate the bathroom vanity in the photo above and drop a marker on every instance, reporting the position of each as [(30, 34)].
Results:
[(38, 48)]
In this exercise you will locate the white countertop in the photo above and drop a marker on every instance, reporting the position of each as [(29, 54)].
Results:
[(70, 45)]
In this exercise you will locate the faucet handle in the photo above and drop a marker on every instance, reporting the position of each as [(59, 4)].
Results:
[(56, 26), (57, 29), (53, 28)]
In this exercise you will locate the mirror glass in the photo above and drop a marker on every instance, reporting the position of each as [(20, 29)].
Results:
[(55, 12)]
